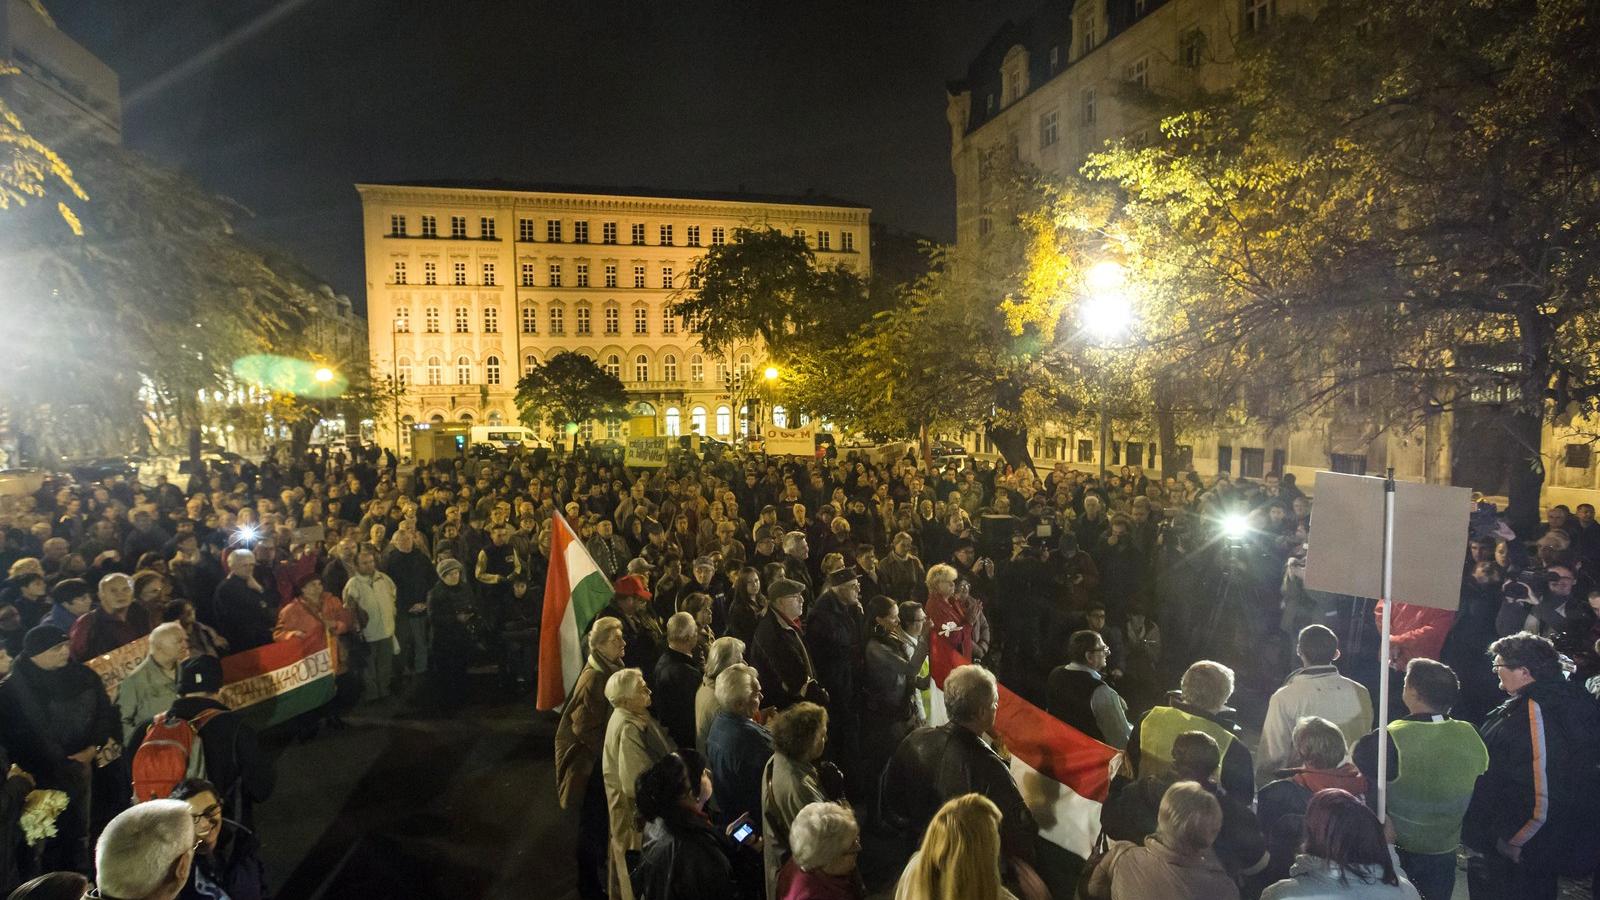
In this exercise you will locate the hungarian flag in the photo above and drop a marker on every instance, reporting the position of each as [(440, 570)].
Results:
[(574, 592), (1063, 773)]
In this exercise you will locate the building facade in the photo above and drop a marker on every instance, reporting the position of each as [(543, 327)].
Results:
[(57, 76), (471, 286), (1055, 88)]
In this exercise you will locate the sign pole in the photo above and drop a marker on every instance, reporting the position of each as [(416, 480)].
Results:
[(1383, 645)]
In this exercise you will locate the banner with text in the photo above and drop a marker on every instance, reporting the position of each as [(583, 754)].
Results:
[(648, 452), (790, 441)]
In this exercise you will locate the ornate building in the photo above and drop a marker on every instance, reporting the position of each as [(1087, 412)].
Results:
[(471, 285)]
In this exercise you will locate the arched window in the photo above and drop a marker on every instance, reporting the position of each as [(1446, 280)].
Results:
[(436, 419), (697, 420), (463, 370), (466, 417), (669, 367), (494, 417), (724, 421), (641, 368), (402, 371), (673, 423), (614, 366), (744, 366), (697, 368), (435, 371), (529, 362), (780, 417), (491, 370)]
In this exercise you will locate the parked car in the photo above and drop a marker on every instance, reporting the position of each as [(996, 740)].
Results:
[(101, 468), (947, 451)]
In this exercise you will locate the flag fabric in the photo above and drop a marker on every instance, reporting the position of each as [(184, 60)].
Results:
[(575, 590), (1063, 773)]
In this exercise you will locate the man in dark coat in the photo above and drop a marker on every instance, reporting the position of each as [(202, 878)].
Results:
[(796, 564), (245, 614), (677, 680), (833, 637), (234, 761), (779, 652)]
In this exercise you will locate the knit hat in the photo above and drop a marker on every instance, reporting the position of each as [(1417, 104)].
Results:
[(631, 586), (200, 675), (41, 638), (68, 590), (639, 566), (846, 575), (784, 587), (448, 565)]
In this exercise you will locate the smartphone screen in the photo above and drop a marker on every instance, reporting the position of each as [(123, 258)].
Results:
[(743, 833)]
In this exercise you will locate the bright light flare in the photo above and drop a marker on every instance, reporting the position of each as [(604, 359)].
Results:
[(1106, 315), (287, 375), (771, 373), (1105, 277), (324, 375), (247, 534), (1235, 526)]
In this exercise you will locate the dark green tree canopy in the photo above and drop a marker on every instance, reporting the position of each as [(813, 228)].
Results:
[(570, 387)]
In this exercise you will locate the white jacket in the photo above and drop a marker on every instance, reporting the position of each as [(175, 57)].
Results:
[(375, 595), (1312, 691)]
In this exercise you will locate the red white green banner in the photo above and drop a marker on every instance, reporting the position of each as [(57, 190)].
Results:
[(575, 590)]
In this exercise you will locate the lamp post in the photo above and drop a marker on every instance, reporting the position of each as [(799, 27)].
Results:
[(1106, 314)]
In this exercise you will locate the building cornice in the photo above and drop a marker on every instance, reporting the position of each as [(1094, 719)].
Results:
[(610, 203)]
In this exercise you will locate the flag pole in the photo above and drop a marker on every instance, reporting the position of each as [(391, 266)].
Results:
[(1383, 645)]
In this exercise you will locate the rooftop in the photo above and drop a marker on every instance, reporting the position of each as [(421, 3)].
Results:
[(809, 198)]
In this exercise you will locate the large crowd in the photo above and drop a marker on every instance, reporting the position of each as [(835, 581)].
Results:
[(755, 717)]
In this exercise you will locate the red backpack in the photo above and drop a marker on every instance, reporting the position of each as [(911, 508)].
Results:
[(169, 753)]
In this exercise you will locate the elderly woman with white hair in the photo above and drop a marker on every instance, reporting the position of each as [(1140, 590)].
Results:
[(151, 687), (725, 652), (634, 742), (1203, 706), (580, 741), (1176, 862), (737, 749), (826, 842), (954, 614)]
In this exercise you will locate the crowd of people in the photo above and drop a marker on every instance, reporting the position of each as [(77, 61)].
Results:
[(755, 704)]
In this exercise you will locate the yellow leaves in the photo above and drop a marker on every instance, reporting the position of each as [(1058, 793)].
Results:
[(71, 218)]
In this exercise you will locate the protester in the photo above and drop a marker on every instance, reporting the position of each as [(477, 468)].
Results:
[(241, 610), (451, 611), (116, 621), (1079, 696), (633, 743), (792, 779), (779, 651), (683, 855), (371, 596), (1344, 855), (1201, 705), (891, 675), (725, 651), (677, 680), (579, 745), (827, 842), (1176, 861), (152, 686), (960, 855), (1318, 748), (737, 747), (228, 860), (1315, 689)]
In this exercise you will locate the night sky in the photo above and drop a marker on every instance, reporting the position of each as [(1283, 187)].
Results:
[(284, 105)]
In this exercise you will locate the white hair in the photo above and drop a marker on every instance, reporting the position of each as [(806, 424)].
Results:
[(822, 832), (725, 651), (682, 627), (624, 684), (240, 554), (113, 578), (941, 572), (169, 633), (735, 686), (137, 850), (1207, 684), (792, 540), (969, 691), (601, 630)]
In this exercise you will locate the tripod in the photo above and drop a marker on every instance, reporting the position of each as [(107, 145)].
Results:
[(1229, 630)]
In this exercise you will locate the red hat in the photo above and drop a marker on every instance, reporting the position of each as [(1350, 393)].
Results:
[(631, 586)]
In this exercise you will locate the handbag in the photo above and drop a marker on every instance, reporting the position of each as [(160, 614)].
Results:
[(1097, 856)]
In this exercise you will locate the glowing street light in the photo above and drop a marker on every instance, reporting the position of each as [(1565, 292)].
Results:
[(324, 375), (1106, 314), (770, 373)]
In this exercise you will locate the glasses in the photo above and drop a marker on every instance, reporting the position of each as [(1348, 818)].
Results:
[(1495, 667)]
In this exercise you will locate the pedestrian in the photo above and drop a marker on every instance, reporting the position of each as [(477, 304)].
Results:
[(677, 680), (1315, 689), (1079, 696), (579, 744), (1175, 862), (152, 686)]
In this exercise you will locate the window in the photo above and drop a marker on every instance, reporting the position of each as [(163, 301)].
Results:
[(673, 421), (557, 323), (1258, 14), (669, 367), (697, 420), (529, 363), (460, 273), (719, 236), (744, 366), (614, 429), (824, 240), (586, 431), (669, 322), (430, 226), (525, 230), (666, 235), (989, 104), (780, 417), (1252, 462), (1085, 451), (1088, 35), (1348, 463), (1134, 453), (527, 274), (486, 227), (430, 273), (463, 370), (641, 368), (608, 233), (697, 368), (399, 272), (1138, 72), (555, 275), (1577, 456), (397, 226), (491, 370), (1088, 106), (491, 320), (1224, 459), (613, 319), (435, 371), (613, 365), (800, 234), (724, 421), (463, 320), (530, 320), (552, 230), (402, 371), (722, 371), (1191, 48), (611, 276), (641, 320), (693, 235), (638, 276), (430, 320), (583, 274), (666, 277), (1047, 129), (847, 241), (488, 274), (1055, 57), (458, 226), (580, 232), (638, 233), (583, 320), (402, 319)]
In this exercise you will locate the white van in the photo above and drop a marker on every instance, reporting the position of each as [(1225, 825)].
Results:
[(506, 437)]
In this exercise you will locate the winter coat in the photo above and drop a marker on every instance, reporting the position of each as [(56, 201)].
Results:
[(1311, 691), (242, 614), (1132, 815), (1135, 872), (677, 680), (787, 786), (1312, 878), (145, 692), (633, 744), (937, 764), (580, 735), (737, 750), (833, 638), (779, 654), (47, 715), (682, 861)]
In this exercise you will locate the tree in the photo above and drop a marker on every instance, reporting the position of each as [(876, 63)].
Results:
[(29, 168), (1395, 208), (570, 388)]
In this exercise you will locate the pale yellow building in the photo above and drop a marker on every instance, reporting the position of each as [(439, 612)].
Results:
[(471, 285)]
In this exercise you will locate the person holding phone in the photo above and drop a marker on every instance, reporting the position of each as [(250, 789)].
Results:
[(683, 855)]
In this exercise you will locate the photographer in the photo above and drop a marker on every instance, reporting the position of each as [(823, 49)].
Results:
[(1535, 601)]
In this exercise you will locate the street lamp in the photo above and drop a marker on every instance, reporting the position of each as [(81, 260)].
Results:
[(324, 375), (770, 373), (1106, 315)]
